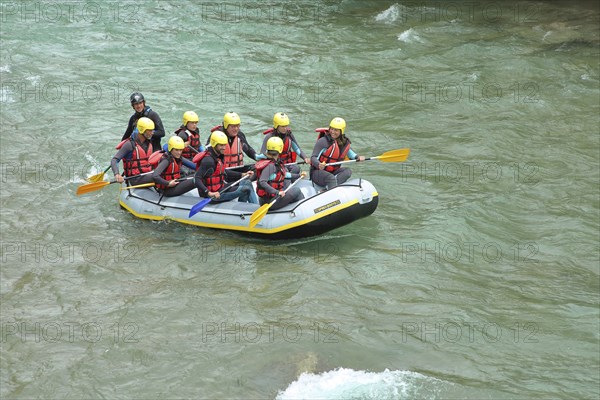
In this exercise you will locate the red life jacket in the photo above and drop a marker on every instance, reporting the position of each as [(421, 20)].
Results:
[(155, 158), (172, 170), (322, 132), (137, 163), (334, 153), (216, 181), (287, 155), (276, 183), (193, 137), (233, 152)]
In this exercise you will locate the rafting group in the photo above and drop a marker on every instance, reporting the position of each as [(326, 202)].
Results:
[(217, 171)]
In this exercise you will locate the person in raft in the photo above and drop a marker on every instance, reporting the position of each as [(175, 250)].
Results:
[(135, 152), (138, 103), (281, 129), (272, 175), (168, 167), (237, 144), (332, 146), (211, 175), (190, 134)]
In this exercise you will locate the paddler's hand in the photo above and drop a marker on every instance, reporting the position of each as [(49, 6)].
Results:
[(173, 183), (249, 173), (303, 175), (307, 160), (360, 158), (281, 193), (322, 165), (119, 178), (214, 195)]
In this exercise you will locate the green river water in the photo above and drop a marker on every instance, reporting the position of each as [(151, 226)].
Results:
[(476, 277)]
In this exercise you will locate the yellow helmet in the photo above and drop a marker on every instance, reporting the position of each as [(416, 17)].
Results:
[(175, 142), (145, 124), (338, 123), (189, 116), (231, 118), (280, 119), (218, 137), (275, 144)]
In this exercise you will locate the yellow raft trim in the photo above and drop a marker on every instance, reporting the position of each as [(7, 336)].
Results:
[(246, 228)]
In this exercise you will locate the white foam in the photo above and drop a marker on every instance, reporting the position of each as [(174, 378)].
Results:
[(5, 68), (95, 168), (410, 36), (34, 79), (390, 15), (91, 158), (546, 35), (345, 383)]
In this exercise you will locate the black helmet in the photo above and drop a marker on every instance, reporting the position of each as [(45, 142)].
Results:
[(136, 97)]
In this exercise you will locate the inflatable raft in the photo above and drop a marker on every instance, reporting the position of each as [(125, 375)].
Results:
[(317, 213)]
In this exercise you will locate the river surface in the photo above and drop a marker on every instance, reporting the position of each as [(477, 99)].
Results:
[(476, 277)]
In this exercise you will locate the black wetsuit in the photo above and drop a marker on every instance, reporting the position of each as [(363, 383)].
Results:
[(159, 130)]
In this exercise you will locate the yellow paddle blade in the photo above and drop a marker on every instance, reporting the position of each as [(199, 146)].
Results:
[(398, 155), (264, 209), (96, 178), (143, 185), (259, 214), (91, 187)]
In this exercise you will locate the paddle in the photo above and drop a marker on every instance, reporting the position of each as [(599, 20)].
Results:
[(98, 177), (143, 185), (397, 155), (92, 187), (200, 205), (193, 149), (248, 165), (264, 209)]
